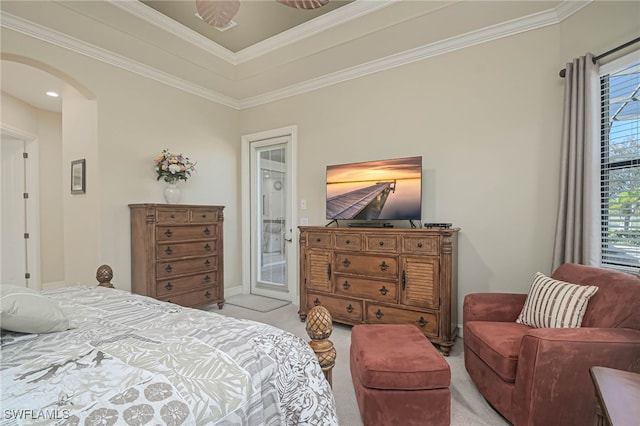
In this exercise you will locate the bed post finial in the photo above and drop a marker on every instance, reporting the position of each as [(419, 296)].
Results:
[(319, 328), (104, 274)]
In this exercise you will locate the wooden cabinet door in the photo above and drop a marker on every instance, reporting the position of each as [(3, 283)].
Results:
[(420, 281), (318, 267)]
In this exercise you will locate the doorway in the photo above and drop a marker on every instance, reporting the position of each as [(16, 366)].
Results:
[(19, 260), (269, 192)]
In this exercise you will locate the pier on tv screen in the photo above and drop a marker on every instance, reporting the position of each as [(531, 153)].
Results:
[(375, 190)]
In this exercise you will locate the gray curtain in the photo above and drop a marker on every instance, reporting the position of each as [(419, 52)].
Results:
[(577, 238)]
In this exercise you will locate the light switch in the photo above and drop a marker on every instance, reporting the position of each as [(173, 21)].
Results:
[(303, 204), (304, 221)]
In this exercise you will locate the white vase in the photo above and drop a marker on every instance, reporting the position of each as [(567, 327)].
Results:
[(172, 193)]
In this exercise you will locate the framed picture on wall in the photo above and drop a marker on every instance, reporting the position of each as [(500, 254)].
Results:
[(78, 180)]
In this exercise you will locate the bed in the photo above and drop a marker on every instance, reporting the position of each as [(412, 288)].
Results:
[(132, 360)]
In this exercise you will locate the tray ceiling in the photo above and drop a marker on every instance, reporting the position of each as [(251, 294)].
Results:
[(276, 51)]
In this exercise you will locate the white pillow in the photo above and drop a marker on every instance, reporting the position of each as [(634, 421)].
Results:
[(24, 310), (555, 304)]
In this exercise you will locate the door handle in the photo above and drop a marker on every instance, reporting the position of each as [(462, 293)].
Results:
[(288, 240)]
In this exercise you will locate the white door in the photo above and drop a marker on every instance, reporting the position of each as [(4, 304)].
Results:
[(273, 254), (14, 266)]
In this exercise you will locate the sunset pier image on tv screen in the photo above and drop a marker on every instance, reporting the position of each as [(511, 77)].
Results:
[(382, 190)]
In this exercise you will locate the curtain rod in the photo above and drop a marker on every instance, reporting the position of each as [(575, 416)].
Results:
[(607, 53)]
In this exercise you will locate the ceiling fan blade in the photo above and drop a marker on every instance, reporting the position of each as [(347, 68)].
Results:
[(217, 12), (304, 4)]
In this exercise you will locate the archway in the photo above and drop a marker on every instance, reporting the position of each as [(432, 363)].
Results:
[(40, 130)]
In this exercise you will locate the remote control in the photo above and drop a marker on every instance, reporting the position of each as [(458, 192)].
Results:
[(441, 225)]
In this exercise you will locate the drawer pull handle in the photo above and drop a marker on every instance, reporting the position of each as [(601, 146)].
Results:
[(207, 247), (422, 322), (346, 285), (316, 302), (317, 240), (204, 216), (404, 280), (207, 263), (348, 242), (384, 266), (329, 271), (419, 245), (379, 314), (168, 250), (206, 231), (207, 294), (173, 216), (169, 286), (346, 263), (381, 243), (168, 268), (168, 233), (207, 279), (349, 308), (383, 291)]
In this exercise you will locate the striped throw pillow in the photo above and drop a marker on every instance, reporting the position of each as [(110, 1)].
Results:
[(555, 304)]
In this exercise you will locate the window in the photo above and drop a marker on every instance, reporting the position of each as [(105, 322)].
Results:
[(620, 164)]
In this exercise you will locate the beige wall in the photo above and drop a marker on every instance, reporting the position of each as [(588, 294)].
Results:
[(484, 129), (81, 212), (485, 119), (129, 122), (132, 133), (44, 128), (51, 184)]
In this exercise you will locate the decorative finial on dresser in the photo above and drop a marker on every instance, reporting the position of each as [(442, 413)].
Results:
[(104, 274)]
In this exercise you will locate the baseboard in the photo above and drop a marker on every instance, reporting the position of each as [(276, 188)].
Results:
[(232, 291)]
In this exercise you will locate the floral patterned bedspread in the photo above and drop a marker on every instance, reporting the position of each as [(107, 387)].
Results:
[(132, 360)]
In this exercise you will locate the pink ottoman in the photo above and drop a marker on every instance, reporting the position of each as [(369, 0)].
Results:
[(399, 377)]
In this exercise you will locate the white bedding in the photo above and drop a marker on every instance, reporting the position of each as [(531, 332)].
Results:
[(132, 360)]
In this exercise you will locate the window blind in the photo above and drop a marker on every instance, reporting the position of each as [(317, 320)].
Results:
[(620, 168)]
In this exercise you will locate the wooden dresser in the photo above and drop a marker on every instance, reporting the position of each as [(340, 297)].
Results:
[(382, 276), (177, 253)]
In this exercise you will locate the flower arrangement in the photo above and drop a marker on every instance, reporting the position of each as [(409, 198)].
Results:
[(173, 167)]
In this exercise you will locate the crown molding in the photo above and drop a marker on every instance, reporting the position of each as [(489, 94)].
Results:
[(505, 29), (65, 41), (310, 28), (567, 8), (152, 16), (494, 32)]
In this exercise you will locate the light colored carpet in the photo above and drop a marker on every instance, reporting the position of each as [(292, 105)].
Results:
[(256, 303), (468, 408)]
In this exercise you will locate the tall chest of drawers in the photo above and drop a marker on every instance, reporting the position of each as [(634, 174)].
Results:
[(177, 253), (383, 276)]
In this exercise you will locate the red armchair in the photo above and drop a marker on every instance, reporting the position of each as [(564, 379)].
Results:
[(540, 376)]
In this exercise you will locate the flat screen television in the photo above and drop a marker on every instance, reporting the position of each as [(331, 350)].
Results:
[(375, 190)]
